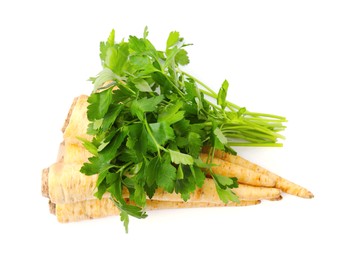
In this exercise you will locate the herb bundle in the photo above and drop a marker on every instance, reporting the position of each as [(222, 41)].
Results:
[(150, 120)]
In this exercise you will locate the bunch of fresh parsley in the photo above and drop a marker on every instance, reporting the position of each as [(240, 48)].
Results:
[(150, 120)]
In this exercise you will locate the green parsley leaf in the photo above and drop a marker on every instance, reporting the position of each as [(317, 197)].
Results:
[(187, 184), (137, 45), (179, 174), (140, 106), (225, 182), (195, 144), (99, 104), (142, 85), (162, 132), (116, 57), (226, 194), (88, 145), (111, 149), (180, 158), (172, 39), (182, 57), (140, 63), (152, 170), (105, 75), (111, 116), (171, 113), (105, 45), (125, 219), (101, 189), (222, 94), (95, 165), (220, 136), (224, 185), (139, 195), (166, 176), (199, 175)]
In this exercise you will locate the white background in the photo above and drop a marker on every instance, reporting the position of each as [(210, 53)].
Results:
[(299, 59)]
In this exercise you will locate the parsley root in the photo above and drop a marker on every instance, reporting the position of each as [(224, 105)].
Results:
[(65, 184), (90, 209), (243, 174), (75, 125), (74, 153), (280, 182)]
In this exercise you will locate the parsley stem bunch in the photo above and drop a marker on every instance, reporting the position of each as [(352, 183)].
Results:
[(149, 121)]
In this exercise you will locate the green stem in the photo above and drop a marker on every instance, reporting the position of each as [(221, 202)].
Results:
[(255, 114), (255, 137), (174, 86), (232, 106), (256, 128), (199, 82), (122, 168), (264, 130), (255, 144)]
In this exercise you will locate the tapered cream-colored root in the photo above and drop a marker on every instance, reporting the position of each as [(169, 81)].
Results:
[(52, 207), (277, 198), (91, 209), (76, 123), (69, 113), (208, 193), (158, 204), (67, 185), (280, 183), (253, 192), (75, 153), (243, 174), (291, 187), (60, 153), (45, 183)]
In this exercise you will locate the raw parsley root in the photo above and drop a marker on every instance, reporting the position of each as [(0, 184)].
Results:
[(90, 209), (65, 185), (280, 182), (75, 125), (149, 120), (242, 174)]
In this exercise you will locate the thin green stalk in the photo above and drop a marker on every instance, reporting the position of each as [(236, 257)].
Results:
[(255, 144), (199, 82), (254, 135), (255, 114), (209, 92)]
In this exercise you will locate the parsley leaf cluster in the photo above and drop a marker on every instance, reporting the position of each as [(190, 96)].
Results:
[(149, 121)]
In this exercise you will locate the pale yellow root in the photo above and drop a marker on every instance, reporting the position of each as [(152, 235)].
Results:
[(280, 183), (60, 153), (45, 182), (91, 209), (277, 198), (67, 185), (208, 193), (252, 192), (243, 174), (69, 113), (76, 123), (75, 153)]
